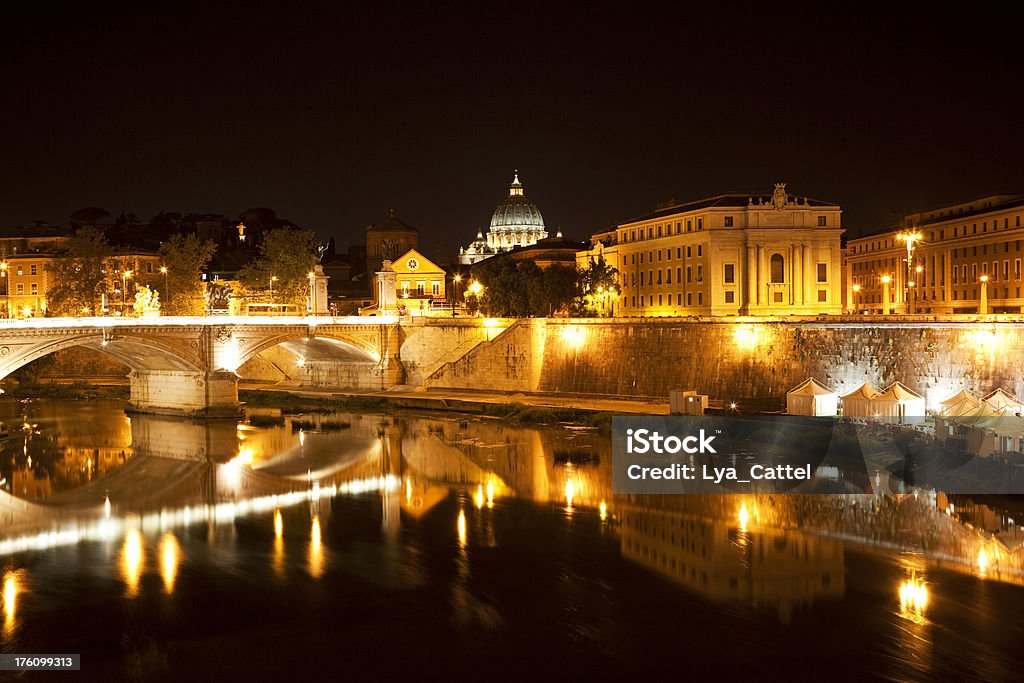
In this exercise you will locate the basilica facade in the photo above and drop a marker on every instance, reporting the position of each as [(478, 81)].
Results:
[(516, 222)]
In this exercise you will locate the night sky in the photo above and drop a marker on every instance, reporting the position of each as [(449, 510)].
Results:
[(332, 115)]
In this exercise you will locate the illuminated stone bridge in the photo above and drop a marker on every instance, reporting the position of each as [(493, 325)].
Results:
[(187, 365), (192, 365)]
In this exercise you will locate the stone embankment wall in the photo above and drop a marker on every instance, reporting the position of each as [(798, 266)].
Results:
[(737, 358)]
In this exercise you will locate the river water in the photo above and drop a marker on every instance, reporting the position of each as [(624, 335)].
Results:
[(455, 547)]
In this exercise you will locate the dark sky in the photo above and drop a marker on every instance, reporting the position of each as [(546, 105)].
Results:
[(332, 115)]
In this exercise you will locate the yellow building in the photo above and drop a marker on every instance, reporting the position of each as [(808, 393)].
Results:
[(412, 284), (958, 255), (727, 255), (25, 280)]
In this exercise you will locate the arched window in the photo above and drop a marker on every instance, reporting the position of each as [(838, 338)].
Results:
[(778, 268)]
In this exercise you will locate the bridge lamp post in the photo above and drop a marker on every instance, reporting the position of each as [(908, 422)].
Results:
[(853, 298), (163, 271), (7, 293), (455, 302), (125, 276), (983, 303), (910, 237), (918, 281), (885, 294), (309, 302), (272, 278)]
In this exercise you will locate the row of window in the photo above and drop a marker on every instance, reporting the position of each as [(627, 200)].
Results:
[(665, 230), (667, 254), (20, 288), (957, 295), (729, 296), (960, 231), (20, 270), (777, 274), (420, 289), (960, 274)]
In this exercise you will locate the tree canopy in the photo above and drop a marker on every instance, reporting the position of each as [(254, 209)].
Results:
[(287, 255), (181, 290), (522, 289), (82, 276)]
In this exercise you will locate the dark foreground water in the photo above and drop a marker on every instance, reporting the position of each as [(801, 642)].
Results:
[(477, 551)]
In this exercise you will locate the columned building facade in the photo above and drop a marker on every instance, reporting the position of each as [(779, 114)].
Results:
[(959, 255), (733, 254)]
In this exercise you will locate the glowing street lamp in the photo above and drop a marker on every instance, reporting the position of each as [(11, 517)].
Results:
[(272, 279), (910, 237), (983, 304), (310, 275), (7, 293), (455, 302), (885, 294), (125, 276)]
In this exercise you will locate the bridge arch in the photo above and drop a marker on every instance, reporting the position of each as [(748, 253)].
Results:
[(336, 346), (138, 353)]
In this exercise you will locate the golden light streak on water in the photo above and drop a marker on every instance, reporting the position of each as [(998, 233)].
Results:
[(913, 598), (744, 517), (982, 562), (408, 490), (132, 560), (478, 499), (106, 507), (570, 493), (316, 551), (170, 557), (278, 562), (490, 493), (461, 528), (604, 511), (12, 587)]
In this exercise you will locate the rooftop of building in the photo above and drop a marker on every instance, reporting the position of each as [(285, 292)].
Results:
[(948, 213), (391, 224), (737, 200)]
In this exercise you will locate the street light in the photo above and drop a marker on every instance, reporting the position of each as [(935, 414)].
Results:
[(7, 294), (885, 294), (455, 301), (310, 275), (910, 237), (272, 279), (125, 275), (983, 304)]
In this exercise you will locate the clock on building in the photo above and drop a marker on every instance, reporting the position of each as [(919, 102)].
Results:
[(412, 264)]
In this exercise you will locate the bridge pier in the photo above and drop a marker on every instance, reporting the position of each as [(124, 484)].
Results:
[(184, 392)]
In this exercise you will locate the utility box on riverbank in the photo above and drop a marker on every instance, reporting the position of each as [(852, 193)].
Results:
[(687, 403)]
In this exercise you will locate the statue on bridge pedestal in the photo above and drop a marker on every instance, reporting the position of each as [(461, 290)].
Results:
[(218, 298), (147, 301)]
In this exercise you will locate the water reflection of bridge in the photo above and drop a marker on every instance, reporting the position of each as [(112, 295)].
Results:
[(788, 551)]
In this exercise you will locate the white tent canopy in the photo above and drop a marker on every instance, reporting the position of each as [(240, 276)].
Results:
[(1004, 402), (898, 400), (857, 403), (812, 398), (963, 403)]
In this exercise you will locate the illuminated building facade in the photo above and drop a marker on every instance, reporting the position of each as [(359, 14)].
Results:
[(516, 222), (964, 258), (732, 254)]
